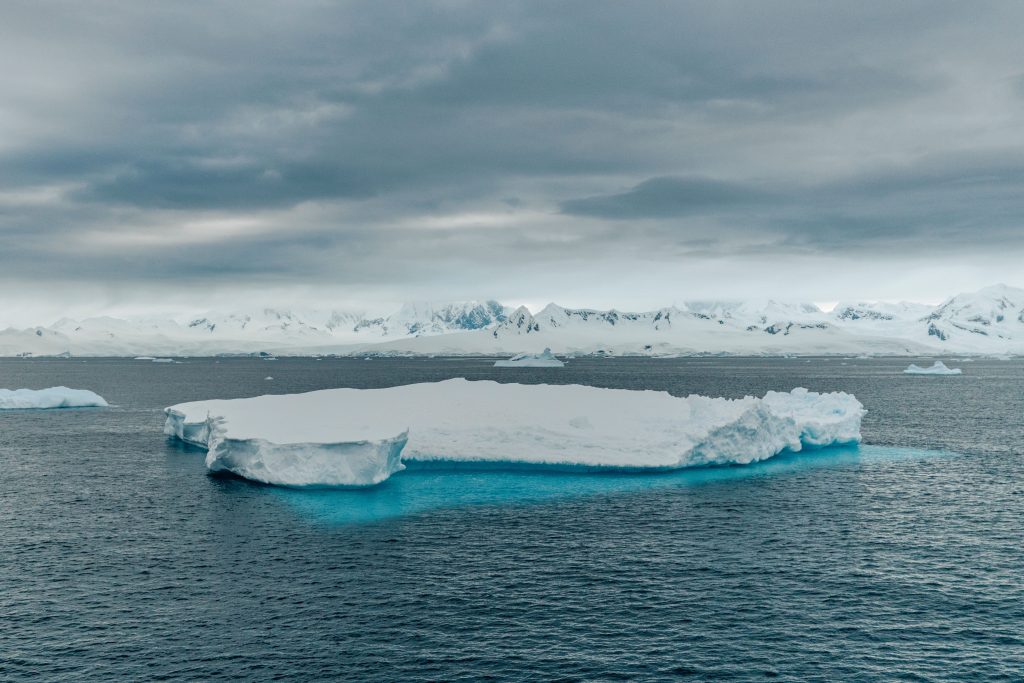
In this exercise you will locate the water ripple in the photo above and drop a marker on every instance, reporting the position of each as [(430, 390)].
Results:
[(121, 559)]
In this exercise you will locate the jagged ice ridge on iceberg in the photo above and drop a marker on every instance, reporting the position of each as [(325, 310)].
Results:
[(54, 397), (359, 437)]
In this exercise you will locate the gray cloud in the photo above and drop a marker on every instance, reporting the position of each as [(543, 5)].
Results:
[(434, 145), (665, 197)]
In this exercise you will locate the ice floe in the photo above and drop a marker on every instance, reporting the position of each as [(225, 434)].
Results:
[(544, 359), (938, 368), (360, 436), (54, 397)]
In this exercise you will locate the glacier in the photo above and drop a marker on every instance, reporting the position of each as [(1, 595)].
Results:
[(937, 368), (54, 397), (360, 437), (989, 322), (544, 359)]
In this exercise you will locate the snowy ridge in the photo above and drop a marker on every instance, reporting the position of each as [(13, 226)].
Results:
[(989, 321), (354, 437)]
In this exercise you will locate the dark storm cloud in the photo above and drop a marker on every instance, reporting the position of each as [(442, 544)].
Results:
[(580, 127)]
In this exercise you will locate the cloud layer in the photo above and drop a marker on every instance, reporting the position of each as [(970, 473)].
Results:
[(517, 149)]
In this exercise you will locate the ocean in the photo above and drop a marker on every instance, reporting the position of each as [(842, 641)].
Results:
[(121, 558)]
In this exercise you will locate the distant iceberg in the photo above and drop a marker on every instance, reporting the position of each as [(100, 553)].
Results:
[(359, 437), (163, 360), (545, 359), (938, 368), (54, 397)]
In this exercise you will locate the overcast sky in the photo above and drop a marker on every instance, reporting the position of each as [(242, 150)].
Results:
[(356, 154)]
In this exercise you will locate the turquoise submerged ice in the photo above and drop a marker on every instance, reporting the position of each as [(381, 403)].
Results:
[(444, 486), (360, 437)]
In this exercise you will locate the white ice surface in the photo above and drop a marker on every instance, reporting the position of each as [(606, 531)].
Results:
[(987, 322), (544, 359), (312, 439), (938, 368), (54, 397)]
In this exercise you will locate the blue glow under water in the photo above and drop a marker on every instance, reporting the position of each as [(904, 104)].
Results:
[(423, 487), (121, 558)]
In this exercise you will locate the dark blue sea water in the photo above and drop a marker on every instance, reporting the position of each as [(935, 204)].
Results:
[(122, 559)]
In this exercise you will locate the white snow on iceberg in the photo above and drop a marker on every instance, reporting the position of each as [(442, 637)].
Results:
[(356, 437), (938, 368), (293, 440), (545, 359), (54, 397)]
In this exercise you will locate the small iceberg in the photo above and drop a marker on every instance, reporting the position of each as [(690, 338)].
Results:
[(938, 368), (360, 437), (54, 397), (544, 359), (144, 358), (163, 360)]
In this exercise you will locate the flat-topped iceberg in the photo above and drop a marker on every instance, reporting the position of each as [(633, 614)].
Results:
[(361, 436), (938, 368), (544, 359), (54, 397), (312, 439)]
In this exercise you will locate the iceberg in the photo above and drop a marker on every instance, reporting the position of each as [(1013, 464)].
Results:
[(938, 368), (545, 359), (54, 397), (360, 437), (293, 440)]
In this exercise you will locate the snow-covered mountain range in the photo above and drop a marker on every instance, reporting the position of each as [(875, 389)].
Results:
[(989, 321)]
